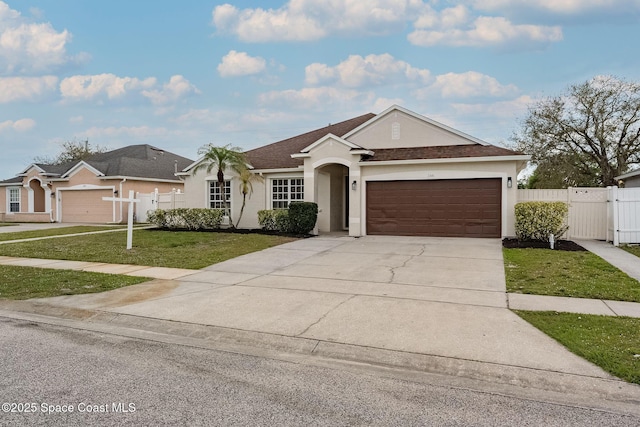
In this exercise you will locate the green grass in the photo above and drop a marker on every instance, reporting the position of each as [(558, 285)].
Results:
[(6, 224), (635, 250), (54, 232), (150, 247), (613, 343), (30, 282), (567, 274)]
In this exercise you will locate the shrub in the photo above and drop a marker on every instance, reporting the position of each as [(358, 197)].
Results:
[(191, 219), (303, 216), (275, 220), (537, 220)]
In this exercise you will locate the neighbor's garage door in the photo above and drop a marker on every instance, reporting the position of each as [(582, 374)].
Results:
[(451, 208), (86, 206)]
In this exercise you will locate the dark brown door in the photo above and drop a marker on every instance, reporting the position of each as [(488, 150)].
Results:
[(446, 208)]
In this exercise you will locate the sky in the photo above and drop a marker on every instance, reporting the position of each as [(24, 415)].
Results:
[(179, 75)]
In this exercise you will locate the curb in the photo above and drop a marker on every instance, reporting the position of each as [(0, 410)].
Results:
[(593, 392)]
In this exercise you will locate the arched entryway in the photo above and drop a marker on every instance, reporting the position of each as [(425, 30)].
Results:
[(332, 192), (37, 196)]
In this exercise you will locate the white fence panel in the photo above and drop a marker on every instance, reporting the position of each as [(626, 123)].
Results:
[(173, 200), (146, 203), (588, 213), (611, 214), (626, 215), (543, 196)]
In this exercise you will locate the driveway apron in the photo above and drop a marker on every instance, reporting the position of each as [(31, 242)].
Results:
[(430, 296)]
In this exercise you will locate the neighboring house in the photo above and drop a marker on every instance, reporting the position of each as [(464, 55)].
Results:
[(395, 173), (631, 179), (73, 192)]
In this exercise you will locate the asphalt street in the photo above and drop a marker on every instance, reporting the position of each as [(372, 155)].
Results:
[(50, 369)]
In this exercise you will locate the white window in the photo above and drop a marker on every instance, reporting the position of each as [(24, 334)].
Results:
[(14, 199), (285, 191), (215, 199)]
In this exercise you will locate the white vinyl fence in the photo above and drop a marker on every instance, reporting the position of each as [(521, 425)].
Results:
[(611, 214), (152, 201)]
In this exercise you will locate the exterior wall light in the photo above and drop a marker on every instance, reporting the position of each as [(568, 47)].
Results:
[(354, 185), (509, 182)]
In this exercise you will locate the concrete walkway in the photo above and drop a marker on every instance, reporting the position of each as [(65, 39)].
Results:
[(617, 257), (433, 304)]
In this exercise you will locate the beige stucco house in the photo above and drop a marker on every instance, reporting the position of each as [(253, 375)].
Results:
[(396, 173), (73, 192)]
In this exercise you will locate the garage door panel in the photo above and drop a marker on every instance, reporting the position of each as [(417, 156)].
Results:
[(86, 206), (454, 208)]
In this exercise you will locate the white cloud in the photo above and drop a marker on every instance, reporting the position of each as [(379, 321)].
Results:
[(467, 85), (129, 131), (240, 64), (90, 87), (178, 87), (21, 125), (314, 98), (27, 47), (304, 20), (456, 27), (358, 71), (26, 88), (508, 109), (307, 20), (560, 7)]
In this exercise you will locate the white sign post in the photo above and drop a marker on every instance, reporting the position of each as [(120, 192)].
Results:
[(131, 201)]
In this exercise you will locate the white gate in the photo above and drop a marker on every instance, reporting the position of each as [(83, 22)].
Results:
[(611, 214), (588, 213), (146, 204), (624, 212)]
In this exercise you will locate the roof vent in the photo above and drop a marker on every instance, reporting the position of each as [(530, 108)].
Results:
[(395, 130)]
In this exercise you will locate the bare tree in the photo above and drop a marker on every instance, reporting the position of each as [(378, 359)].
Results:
[(72, 151), (592, 132)]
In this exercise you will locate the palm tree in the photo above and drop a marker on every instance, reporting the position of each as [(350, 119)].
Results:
[(247, 178), (222, 158)]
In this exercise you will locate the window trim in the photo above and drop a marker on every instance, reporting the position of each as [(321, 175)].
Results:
[(11, 201), (288, 199), (227, 183)]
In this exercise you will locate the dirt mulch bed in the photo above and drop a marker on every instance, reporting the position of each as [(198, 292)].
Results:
[(561, 245)]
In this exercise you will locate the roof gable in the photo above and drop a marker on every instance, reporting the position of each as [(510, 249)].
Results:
[(278, 154), (398, 127)]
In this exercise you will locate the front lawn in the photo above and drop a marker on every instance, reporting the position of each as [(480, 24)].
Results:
[(567, 274), (59, 231), (156, 248), (30, 282), (635, 249), (613, 343)]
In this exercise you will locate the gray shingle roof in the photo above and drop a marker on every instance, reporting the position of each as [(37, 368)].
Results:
[(142, 161)]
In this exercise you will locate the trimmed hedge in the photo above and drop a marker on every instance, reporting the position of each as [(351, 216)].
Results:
[(537, 220), (303, 216), (191, 219), (274, 220), (300, 218)]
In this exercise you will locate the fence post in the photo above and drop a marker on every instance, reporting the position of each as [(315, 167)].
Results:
[(614, 200)]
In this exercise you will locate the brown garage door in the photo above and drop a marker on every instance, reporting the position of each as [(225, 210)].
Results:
[(86, 206), (447, 208)]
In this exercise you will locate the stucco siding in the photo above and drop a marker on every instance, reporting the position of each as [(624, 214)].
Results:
[(398, 129)]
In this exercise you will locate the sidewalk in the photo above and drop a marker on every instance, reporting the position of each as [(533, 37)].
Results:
[(624, 261), (164, 273)]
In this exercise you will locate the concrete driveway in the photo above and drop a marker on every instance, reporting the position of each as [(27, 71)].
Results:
[(439, 298)]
